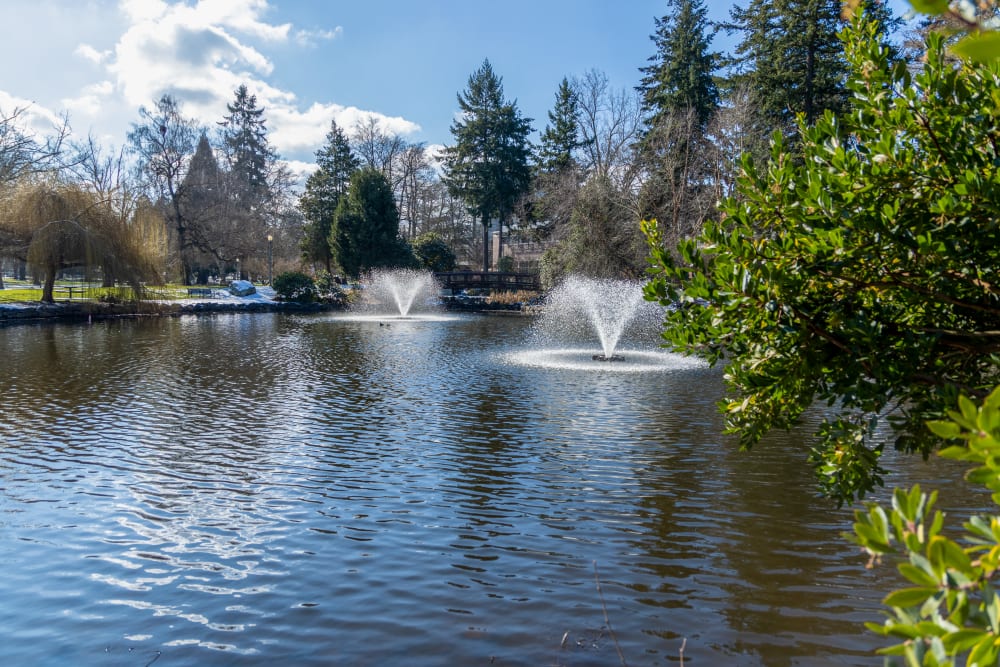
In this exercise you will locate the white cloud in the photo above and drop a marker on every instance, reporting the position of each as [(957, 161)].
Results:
[(295, 130), (301, 171), (87, 52), (201, 53), (30, 117), (311, 37), (189, 51), (91, 99)]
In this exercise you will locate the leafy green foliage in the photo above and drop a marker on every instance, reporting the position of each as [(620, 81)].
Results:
[(324, 188), (979, 43), (365, 230), (433, 252), (951, 609), (294, 286), (860, 270)]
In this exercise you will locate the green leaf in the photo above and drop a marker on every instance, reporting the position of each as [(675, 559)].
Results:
[(930, 6), (909, 597), (918, 575), (945, 430), (963, 640), (981, 47), (985, 651)]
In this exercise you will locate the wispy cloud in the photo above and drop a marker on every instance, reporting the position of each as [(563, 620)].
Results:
[(313, 37)]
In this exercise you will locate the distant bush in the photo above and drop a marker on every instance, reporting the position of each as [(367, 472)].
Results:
[(433, 253), (511, 298), (294, 286), (328, 288)]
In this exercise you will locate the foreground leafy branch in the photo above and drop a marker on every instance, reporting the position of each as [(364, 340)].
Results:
[(951, 610)]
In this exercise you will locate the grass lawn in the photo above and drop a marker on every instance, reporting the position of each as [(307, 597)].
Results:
[(17, 291)]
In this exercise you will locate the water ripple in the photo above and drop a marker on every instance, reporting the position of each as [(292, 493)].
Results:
[(315, 490)]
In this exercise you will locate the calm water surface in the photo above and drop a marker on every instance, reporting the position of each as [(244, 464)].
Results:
[(271, 489)]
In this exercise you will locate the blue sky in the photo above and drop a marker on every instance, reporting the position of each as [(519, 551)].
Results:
[(310, 61)]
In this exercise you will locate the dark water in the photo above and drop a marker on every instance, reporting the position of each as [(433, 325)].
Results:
[(268, 489)]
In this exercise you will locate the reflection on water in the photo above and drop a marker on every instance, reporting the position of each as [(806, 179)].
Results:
[(313, 490)]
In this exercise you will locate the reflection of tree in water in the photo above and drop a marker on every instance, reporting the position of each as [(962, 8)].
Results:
[(742, 537), (785, 575)]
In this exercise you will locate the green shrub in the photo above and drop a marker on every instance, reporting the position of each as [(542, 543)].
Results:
[(949, 613), (434, 253), (294, 286)]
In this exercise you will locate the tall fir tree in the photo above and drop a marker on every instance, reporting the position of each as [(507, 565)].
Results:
[(681, 74), (561, 138), (203, 200), (324, 189), (790, 53), (245, 143), (679, 98), (557, 171), (488, 167)]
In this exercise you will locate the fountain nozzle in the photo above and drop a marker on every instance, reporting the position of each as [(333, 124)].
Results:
[(613, 357)]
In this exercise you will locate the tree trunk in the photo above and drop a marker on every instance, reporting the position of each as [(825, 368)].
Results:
[(499, 241), (486, 244), (50, 283)]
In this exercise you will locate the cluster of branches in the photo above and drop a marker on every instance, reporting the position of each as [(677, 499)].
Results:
[(228, 204), (67, 205)]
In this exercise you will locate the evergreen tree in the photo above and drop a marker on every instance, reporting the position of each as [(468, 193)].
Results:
[(681, 73), (365, 232), (244, 138), (679, 97), (558, 172), (561, 138), (202, 198), (487, 167), (258, 185), (324, 189), (792, 56)]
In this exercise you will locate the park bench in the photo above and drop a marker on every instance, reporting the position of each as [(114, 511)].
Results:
[(201, 291), (69, 290)]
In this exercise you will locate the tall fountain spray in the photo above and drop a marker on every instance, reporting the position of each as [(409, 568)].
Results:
[(607, 307), (398, 289), (586, 321)]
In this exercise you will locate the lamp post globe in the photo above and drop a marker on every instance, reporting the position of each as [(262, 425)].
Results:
[(270, 259)]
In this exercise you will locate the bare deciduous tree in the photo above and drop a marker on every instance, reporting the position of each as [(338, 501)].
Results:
[(164, 141), (610, 124), (22, 151)]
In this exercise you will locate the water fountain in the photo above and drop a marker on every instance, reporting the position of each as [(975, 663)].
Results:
[(581, 309), (390, 295), (400, 288)]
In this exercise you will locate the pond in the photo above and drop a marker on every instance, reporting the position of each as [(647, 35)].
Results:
[(318, 490)]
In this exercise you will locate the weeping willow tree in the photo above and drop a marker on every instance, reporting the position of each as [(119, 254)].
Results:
[(64, 244), (55, 227)]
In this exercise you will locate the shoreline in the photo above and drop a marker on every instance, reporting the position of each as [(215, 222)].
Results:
[(36, 312)]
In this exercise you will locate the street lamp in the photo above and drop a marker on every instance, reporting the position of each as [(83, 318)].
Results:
[(270, 259)]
